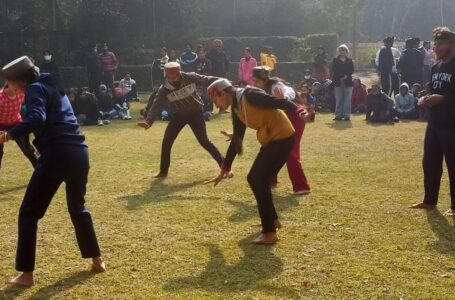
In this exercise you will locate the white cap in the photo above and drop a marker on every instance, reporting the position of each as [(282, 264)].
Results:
[(218, 86)]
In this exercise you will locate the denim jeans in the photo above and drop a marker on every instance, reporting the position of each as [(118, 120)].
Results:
[(343, 96)]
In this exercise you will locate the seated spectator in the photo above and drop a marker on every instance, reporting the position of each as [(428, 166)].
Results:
[(405, 104), (308, 78), (165, 114), (324, 97), (106, 105), (121, 104), (129, 88), (307, 96), (359, 97), (424, 111), (379, 106), (85, 107)]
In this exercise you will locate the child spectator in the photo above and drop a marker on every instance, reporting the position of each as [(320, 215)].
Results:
[(405, 104), (359, 97), (121, 104), (105, 103), (129, 87), (379, 106), (246, 65), (308, 78)]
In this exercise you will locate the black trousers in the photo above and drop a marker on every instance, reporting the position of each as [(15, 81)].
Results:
[(390, 83), (24, 144), (94, 82), (197, 124), (57, 164), (439, 144), (267, 164), (108, 80)]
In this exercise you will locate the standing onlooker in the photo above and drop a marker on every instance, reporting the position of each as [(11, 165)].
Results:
[(48, 66), (386, 61), (158, 66), (204, 67), (220, 61), (440, 138), (411, 63), (269, 59), (129, 87), (93, 68), (109, 64), (246, 65), (188, 59), (342, 69), (320, 65), (428, 62)]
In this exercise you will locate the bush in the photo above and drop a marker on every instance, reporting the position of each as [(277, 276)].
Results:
[(233, 46)]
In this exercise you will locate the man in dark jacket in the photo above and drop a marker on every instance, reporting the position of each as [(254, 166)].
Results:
[(379, 106), (220, 62), (411, 64), (93, 68), (387, 68), (48, 66)]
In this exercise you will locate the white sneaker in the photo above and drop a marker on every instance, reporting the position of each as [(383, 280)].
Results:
[(100, 123), (106, 122)]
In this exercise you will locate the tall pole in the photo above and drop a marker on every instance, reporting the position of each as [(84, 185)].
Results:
[(354, 31), (54, 15)]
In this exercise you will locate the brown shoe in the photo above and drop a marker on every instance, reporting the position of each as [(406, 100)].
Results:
[(269, 238), (423, 206)]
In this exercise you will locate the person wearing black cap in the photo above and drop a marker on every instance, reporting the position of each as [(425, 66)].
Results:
[(386, 62), (64, 158), (440, 134)]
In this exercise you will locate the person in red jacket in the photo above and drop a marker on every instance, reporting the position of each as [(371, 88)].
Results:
[(10, 115), (359, 97)]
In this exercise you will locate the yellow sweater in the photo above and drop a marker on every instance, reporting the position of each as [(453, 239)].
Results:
[(270, 124)]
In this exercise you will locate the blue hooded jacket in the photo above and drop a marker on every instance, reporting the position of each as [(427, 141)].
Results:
[(49, 117)]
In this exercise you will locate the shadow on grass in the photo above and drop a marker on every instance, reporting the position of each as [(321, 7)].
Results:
[(340, 125), (258, 265), (13, 189), (159, 192), (444, 231), (46, 292), (246, 210)]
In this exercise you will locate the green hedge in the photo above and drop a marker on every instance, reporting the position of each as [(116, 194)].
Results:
[(77, 76), (233, 46)]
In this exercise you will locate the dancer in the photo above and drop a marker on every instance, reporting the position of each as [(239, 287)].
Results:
[(440, 136), (64, 158), (277, 87), (10, 115), (179, 91), (255, 109)]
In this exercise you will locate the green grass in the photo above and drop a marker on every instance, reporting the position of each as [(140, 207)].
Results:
[(352, 238)]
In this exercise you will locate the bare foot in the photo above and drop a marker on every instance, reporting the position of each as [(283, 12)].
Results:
[(423, 206), (449, 213), (268, 238), (98, 265), (277, 223), (25, 280), (160, 175)]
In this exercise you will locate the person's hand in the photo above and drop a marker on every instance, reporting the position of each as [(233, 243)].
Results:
[(217, 179), (432, 100), (421, 101), (228, 135), (143, 125), (278, 93)]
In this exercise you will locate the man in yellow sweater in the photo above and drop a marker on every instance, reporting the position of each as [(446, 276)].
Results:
[(268, 58)]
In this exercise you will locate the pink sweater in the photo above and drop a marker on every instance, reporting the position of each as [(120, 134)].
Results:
[(246, 69)]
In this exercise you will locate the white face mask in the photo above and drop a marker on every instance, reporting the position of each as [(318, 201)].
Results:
[(307, 76), (47, 58)]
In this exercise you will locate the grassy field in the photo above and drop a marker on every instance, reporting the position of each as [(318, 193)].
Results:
[(352, 238)]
